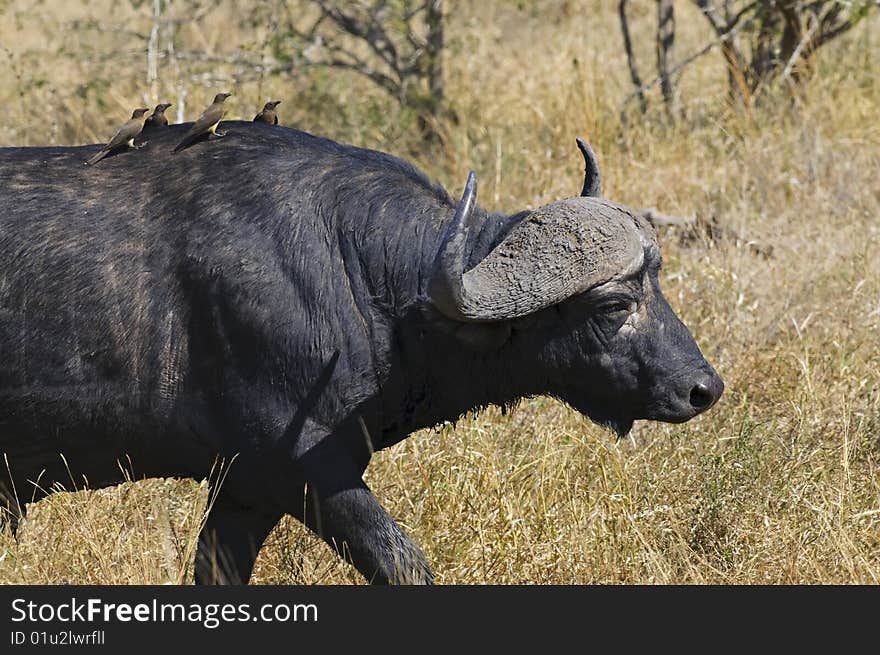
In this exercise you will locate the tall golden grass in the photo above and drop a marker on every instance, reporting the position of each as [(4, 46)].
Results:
[(777, 484)]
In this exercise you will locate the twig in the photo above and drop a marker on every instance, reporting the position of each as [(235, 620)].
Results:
[(152, 46), (672, 71), (808, 35), (665, 43), (846, 25), (373, 35), (109, 29), (723, 27), (270, 66), (631, 59), (658, 219), (175, 65)]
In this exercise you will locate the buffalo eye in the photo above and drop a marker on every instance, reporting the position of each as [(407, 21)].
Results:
[(614, 306), (606, 311), (611, 313)]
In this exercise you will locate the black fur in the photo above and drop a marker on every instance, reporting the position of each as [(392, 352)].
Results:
[(262, 298)]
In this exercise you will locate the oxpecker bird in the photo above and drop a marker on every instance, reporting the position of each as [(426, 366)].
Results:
[(268, 114), (124, 136), (206, 123), (158, 117)]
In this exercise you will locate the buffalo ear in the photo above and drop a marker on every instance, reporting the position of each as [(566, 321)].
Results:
[(479, 337), (592, 179), (483, 337)]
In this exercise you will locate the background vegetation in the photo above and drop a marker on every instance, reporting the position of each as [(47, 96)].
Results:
[(774, 265)]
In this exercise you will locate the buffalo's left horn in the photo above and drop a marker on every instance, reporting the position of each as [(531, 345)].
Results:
[(592, 179), (556, 252)]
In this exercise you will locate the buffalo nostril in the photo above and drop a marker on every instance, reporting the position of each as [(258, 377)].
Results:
[(701, 397)]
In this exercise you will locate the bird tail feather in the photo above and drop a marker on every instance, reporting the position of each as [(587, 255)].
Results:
[(188, 139), (98, 156)]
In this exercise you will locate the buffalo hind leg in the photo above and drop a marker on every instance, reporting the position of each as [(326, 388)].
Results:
[(229, 542), (354, 524)]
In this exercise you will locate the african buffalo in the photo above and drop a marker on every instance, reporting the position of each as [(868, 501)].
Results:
[(291, 305)]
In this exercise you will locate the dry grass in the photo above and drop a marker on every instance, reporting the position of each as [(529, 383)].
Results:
[(778, 484)]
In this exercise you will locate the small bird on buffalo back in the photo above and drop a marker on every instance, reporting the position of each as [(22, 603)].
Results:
[(206, 123), (158, 118), (268, 114), (124, 136)]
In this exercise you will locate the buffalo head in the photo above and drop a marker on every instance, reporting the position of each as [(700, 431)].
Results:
[(575, 283)]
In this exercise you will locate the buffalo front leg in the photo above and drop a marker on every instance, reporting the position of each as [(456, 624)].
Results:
[(342, 510), (229, 542), (354, 524)]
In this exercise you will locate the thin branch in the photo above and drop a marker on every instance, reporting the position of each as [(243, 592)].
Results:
[(665, 42), (434, 51), (374, 35), (270, 66), (378, 33), (175, 65), (409, 15), (732, 22), (722, 27), (379, 78), (630, 58), (830, 16), (672, 71), (342, 58), (104, 28), (710, 11), (659, 219), (808, 35), (152, 47), (827, 35)]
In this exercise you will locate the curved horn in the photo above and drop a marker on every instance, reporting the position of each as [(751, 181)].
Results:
[(592, 179), (556, 252), (446, 287)]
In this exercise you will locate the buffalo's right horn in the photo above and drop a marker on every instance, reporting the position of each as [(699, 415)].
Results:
[(592, 179), (447, 283)]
